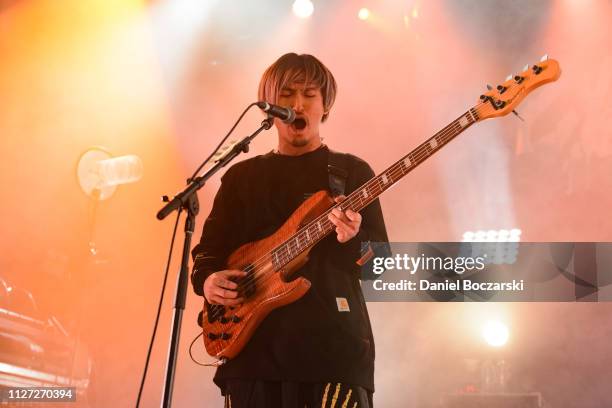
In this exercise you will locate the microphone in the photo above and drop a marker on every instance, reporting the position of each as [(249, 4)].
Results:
[(287, 115)]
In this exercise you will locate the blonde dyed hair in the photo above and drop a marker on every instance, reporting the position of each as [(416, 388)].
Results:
[(291, 68)]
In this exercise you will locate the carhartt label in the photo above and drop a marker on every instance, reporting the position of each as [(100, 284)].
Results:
[(342, 305)]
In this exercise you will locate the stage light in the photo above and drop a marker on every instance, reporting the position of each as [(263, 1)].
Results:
[(363, 14), (495, 333), (487, 243), (99, 173), (303, 8), (513, 235), (119, 170)]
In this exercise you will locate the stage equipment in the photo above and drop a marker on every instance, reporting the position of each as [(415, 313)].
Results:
[(287, 115), (188, 200)]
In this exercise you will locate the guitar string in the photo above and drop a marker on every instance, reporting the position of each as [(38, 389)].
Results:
[(422, 151), (350, 200), (367, 185), (443, 134), (394, 171)]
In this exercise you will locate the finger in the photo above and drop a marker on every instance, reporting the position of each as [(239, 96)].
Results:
[(338, 216), (224, 283), (233, 273), (343, 215), (341, 236), (338, 222), (216, 300), (339, 198), (225, 293), (234, 302), (353, 216), (338, 212)]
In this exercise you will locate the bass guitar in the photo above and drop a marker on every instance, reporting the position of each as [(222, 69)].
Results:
[(271, 261)]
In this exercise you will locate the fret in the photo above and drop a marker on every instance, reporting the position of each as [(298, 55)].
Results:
[(297, 241), (282, 255), (406, 162), (367, 193), (358, 198), (312, 235), (275, 262), (472, 113)]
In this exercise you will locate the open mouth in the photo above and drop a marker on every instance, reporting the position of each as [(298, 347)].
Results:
[(299, 123)]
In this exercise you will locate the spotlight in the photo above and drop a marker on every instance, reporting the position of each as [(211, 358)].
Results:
[(513, 235), (99, 173), (363, 14), (495, 333), (303, 8), (499, 247)]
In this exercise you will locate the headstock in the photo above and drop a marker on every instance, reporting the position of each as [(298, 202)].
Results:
[(504, 98)]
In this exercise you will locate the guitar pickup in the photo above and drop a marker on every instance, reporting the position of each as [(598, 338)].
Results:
[(214, 312)]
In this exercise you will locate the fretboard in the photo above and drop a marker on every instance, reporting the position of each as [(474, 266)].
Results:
[(320, 227)]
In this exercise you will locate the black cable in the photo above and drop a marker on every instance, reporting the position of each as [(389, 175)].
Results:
[(220, 143), (161, 299)]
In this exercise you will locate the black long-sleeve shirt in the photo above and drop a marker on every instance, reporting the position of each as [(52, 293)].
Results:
[(314, 339)]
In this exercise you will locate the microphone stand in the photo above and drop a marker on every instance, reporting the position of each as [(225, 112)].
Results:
[(188, 200)]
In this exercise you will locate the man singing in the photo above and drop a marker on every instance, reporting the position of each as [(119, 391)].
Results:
[(319, 350)]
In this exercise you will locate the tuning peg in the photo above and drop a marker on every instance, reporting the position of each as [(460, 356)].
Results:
[(509, 77), (526, 67), (544, 58), (489, 87), (536, 69)]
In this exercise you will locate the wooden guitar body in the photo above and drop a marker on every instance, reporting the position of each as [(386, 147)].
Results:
[(228, 329)]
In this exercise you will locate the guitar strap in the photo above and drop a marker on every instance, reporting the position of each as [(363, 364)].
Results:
[(337, 170)]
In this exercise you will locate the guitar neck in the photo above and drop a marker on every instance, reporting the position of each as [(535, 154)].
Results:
[(320, 227)]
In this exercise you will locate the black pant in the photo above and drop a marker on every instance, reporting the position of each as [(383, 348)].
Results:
[(287, 394)]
